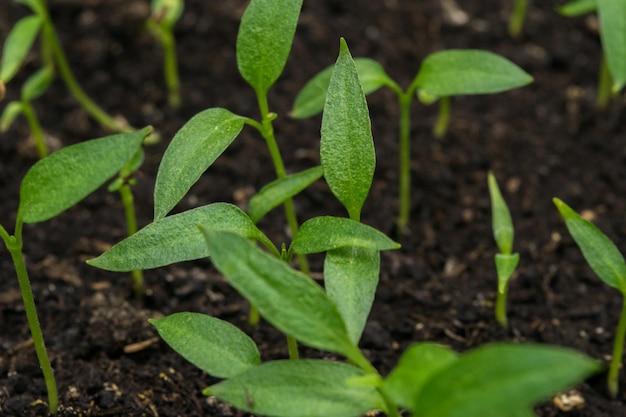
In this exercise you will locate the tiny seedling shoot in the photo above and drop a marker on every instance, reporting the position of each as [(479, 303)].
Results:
[(517, 18), (608, 263), (506, 262), (51, 186), (442, 75), (165, 14)]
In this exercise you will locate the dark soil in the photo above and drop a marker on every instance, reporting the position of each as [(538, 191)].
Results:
[(542, 141)]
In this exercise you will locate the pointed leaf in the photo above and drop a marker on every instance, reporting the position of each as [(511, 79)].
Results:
[(492, 380), (277, 192), (192, 150), (288, 299), (350, 279), (62, 179), (612, 16), (302, 388), (176, 238), (501, 217), (17, 44), (576, 8), (324, 233), (264, 40), (456, 72), (505, 266), (10, 113), (311, 98), (599, 251), (416, 366), (347, 149), (213, 345), (38, 83)]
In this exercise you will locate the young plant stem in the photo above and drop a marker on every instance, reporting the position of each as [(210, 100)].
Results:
[(170, 69), (292, 346), (443, 118), (518, 16), (35, 128), (501, 307), (618, 350), (604, 85), (14, 245), (128, 201)]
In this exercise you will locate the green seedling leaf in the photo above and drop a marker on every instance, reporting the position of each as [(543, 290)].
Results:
[(213, 345), (303, 388), (277, 192), (599, 251), (311, 98), (416, 366), (347, 148), (500, 217), (456, 72), (176, 238), (350, 279), (505, 266), (492, 380), (59, 181), (38, 83), (576, 8), (10, 113), (265, 36), (288, 299), (325, 233), (192, 150), (612, 16), (18, 43)]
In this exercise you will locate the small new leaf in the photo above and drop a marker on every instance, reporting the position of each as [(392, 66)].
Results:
[(18, 43), (612, 16), (502, 224)]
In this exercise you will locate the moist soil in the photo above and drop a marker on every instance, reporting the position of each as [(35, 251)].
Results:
[(544, 140)]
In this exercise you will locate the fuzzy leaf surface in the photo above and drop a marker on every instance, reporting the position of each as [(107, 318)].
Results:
[(17, 44), (303, 388), (310, 100), (324, 233), (599, 251), (70, 174), (192, 150), (276, 192), (286, 298), (213, 345), (264, 40), (612, 16), (455, 72), (501, 222), (492, 380), (347, 148), (176, 238)]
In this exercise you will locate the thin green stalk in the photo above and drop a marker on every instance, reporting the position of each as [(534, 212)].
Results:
[(501, 308), (605, 82), (292, 345), (518, 16), (35, 128), (170, 69), (14, 245), (404, 190), (443, 118), (618, 350), (128, 202)]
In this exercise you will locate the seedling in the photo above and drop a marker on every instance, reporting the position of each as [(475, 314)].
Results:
[(608, 263), (506, 262), (165, 14), (51, 186), (612, 73), (442, 75), (517, 18)]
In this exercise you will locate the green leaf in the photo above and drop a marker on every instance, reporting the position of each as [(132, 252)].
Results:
[(265, 36), (416, 366), (176, 238), (303, 388), (311, 98), (17, 45), (599, 251), (350, 279), (501, 217), (10, 113), (505, 266), (612, 16), (276, 192), (347, 148), (494, 380), (192, 150), (62, 179), (325, 233), (576, 8), (456, 72), (213, 345), (38, 83), (288, 299)]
